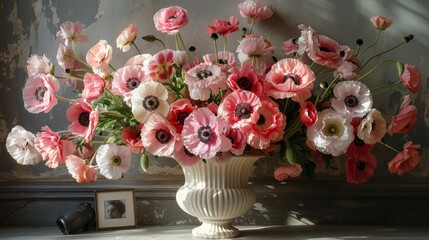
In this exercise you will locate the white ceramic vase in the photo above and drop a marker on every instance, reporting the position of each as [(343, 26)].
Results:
[(216, 194)]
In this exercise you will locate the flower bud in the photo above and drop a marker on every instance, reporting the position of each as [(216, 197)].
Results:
[(400, 67), (149, 38), (144, 162)]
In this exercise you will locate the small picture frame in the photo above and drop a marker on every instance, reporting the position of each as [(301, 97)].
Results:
[(115, 209)]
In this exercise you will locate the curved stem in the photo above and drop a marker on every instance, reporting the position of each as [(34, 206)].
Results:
[(104, 142), (374, 68), (373, 44), (110, 65), (388, 146), (133, 43), (163, 45), (381, 53), (184, 47), (215, 48), (251, 25), (327, 90), (68, 100), (69, 78), (224, 43)]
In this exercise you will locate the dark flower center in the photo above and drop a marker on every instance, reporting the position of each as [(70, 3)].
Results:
[(84, 119), (205, 134), (351, 101), (39, 93), (361, 165), (204, 74), (325, 49), (132, 83), (243, 110), (172, 17), (358, 141), (222, 61), (163, 136), (261, 120), (244, 83), (293, 77), (182, 116), (150, 103), (116, 161)]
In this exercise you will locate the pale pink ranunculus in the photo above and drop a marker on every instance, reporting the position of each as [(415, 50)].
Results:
[(226, 60), (240, 109), (404, 120), (245, 79), (202, 134), (84, 119), (269, 127), (223, 28), (20, 145), (359, 168), (39, 64), (179, 111), (71, 32), (158, 136), (160, 65), (410, 77), (252, 9), (53, 148), (131, 136), (406, 160), (39, 93), (169, 20), (126, 38), (94, 86), (79, 170), (308, 114), (381, 22), (290, 78), (99, 55), (286, 171), (254, 48)]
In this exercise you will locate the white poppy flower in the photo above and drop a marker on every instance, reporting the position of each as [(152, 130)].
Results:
[(20, 145), (372, 128), (352, 99), (113, 160), (331, 134), (148, 98)]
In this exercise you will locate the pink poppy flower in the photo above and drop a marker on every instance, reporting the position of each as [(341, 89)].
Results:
[(240, 110), (39, 64), (406, 160), (170, 20), (99, 55), (81, 171), (254, 48), (410, 77), (127, 79), (179, 111), (160, 65), (308, 114), (20, 145), (52, 147), (94, 86), (84, 151), (381, 22), (66, 58), (290, 78), (126, 38), (141, 59), (283, 172), (183, 156), (404, 121), (113, 160), (84, 119), (252, 9), (202, 134), (245, 79), (238, 140), (39, 93), (223, 28), (203, 79), (226, 60), (350, 67), (360, 168), (71, 32), (221, 158), (290, 46), (131, 136), (159, 136), (269, 127), (358, 147)]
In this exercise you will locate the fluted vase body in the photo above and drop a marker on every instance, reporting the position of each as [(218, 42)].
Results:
[(217, 194)]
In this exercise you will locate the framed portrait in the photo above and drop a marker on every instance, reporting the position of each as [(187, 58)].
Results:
[(115, 209)]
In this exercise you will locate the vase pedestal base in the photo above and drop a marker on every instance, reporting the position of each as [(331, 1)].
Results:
[(215, 230)]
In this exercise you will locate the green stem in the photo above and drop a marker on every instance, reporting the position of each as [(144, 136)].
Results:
[(133, 43), (381, 53), (176, 37), (383, 89), (327, 90), (68, 100), (163, 45), (272, 29), (184, 47), (69, 78), (224, 43), (215, 48), (373, 44), (79, 60), (375, 68), (389, 147), (251, 25), (110, 65), (104, 142)]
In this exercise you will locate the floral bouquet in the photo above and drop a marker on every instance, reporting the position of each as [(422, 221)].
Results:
[(305, 109)]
